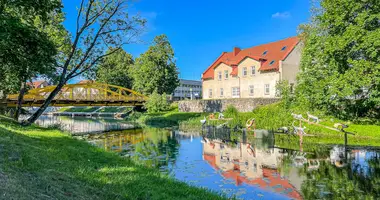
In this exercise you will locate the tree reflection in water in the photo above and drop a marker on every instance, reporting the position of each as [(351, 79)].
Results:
[(359, 179), (310, 171), (149, 147), (323, 172), (160, 148)]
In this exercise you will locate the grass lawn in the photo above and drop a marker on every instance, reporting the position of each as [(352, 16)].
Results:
[(38, 163), (78, 109), (271, 117), (166, 119)]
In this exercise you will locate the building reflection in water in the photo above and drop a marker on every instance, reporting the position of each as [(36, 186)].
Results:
[(232, 162), (246, 164)]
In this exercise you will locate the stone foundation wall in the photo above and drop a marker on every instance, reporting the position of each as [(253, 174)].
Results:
[(219, 105)]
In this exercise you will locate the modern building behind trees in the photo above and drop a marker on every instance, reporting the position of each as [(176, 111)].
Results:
[(253, 72), (188, 89)]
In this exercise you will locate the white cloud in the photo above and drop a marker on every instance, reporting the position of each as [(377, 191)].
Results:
[(281, 15)]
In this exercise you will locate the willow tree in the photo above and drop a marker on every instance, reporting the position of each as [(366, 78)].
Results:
[(100, 24), (341, 60)]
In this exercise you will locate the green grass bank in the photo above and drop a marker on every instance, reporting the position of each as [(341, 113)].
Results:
[(272, 117), (39, 163)]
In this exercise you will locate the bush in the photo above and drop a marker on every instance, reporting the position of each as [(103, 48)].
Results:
[(157, 103), (283, 91), (231, 111)]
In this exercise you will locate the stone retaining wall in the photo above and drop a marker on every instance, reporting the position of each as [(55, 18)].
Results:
[(219, 105)]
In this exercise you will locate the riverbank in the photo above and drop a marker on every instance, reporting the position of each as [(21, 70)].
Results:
[(272, 117), (39, 163)]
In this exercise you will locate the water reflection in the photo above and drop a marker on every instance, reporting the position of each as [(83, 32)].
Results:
[(83, 125), (236, 164)]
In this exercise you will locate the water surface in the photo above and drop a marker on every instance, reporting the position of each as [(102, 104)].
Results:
[(238, 165)]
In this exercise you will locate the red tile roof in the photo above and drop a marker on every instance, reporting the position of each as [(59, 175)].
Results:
[(86, 81), (271, 180), (35, 84), (274, 53)]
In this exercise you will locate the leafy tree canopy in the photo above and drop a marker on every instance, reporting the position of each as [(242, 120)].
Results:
[(341, 59), (114, 69), (156, 70)]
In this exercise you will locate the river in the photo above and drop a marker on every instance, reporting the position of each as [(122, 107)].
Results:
[(236, 164)]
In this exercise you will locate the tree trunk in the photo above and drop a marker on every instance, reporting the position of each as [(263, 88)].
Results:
[(46, 104), (20, 99)]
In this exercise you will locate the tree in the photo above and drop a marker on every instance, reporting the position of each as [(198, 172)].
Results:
[(100, 24), (157, 103), (341, 61), (283, 90), (115, 68), (26, 48), (155, 70)]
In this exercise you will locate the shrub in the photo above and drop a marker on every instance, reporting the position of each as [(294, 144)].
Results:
[(283, 91), (157, 103), (231, 111)]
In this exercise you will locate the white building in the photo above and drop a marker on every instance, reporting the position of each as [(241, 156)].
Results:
[(188, 89)]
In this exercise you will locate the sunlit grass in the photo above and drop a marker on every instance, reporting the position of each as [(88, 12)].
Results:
[(39, 163)]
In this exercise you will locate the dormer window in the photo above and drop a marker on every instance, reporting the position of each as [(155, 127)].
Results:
[(265, 53), (283, 48), (271, 63)]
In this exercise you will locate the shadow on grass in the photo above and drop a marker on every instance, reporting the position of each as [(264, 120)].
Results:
[(40, 163)]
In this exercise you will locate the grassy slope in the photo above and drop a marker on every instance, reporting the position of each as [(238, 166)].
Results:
[(272, 117), (78, 109), (38, 163), (166, 119)]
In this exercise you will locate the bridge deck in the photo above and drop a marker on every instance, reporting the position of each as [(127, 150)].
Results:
[(87, 94)]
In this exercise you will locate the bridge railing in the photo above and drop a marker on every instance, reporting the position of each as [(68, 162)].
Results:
[(84, 92)]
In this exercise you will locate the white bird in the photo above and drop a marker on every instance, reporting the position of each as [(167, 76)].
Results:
[(284, 129), (203, 121), (221, 116), (340, 126), (310, 116), (299, 117)]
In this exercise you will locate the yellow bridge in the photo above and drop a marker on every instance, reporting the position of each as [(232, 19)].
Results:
[(86, 94)]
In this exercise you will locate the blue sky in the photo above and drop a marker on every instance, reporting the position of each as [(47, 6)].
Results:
[(200, 30)]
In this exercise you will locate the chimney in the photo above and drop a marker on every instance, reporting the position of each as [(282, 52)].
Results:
[(236, 50)]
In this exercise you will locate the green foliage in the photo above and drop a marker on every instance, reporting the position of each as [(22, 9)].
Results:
[(34, 159), (79, 109), (283, 90), (340, 60), (101, 25), (165, 120), (157, 103), (115, 68), (156, 70), (231, 111)]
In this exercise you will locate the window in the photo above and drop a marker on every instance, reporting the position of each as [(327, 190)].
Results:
[(210, 93), (225, 74), (283, 48), (266, 89), (271, 63), (253, 70), (251, 90), (219, 76), (265, 53), (221, 92), (245, 72), (235, 92)]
